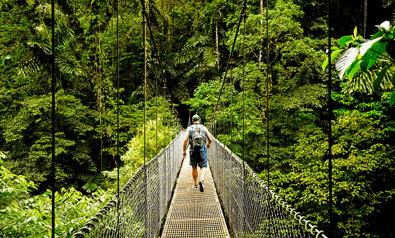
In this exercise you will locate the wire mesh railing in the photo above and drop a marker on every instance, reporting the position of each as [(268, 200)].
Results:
[(143, 199), (253, 210)]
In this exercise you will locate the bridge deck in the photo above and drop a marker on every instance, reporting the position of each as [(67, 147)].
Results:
[(193, 213)]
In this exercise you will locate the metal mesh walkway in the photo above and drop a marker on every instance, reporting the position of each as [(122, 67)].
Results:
[(193, 213)]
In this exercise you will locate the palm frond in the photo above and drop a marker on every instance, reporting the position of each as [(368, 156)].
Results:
[(64, 35), (68, 63), (192, 49), (42, 44), (183, 57), (210, 56), (196, 69), (197, 39), (345, 60), (29, 65), (151, 89), (181, 93), (363, 82)]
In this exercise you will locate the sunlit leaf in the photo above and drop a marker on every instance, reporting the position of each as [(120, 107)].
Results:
[(345, 60), (333, 56), (380, 77), (392, 99), (344, 40), (365, 46), (372, 55)]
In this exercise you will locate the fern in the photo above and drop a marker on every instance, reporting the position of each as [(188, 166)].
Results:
[(63, 34), (363, 82), (210, 56), (29, 65), (68, 63), (39, 47), (181, 92), (191, 49)]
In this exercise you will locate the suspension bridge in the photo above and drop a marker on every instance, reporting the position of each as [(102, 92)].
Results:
[(159, 201)]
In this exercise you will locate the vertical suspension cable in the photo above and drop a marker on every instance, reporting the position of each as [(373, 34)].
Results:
[(53, 117), (215, 127), (244, 65), (223, 108), (156, 102), (165, 116), (330, 121), (100, 110), (118, 160), (231, 99), (144, 21), (226, 70), (267, 101)]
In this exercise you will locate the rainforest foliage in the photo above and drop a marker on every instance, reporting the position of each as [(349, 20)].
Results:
[(194, 39)]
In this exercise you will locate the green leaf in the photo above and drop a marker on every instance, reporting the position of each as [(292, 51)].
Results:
[(354, 67), (378, 34), (355, 32), (392, 99), (345, 60), (344, 40), (372, 55), (333, 56), (369, 45), (380, 77)]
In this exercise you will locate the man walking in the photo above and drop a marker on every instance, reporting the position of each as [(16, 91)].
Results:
[(197, 135)]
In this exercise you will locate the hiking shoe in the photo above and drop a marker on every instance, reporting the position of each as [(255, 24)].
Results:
[(201, 186), (195, 187)]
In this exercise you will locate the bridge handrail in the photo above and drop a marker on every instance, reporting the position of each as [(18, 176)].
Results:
[(143, 201), (286, 216)]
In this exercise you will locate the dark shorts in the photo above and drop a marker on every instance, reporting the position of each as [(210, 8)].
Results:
[(198, 158)]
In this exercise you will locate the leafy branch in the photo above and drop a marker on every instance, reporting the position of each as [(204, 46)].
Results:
[(371, 62)]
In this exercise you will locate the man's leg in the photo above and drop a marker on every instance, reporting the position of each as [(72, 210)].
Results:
[(203, 168), (203, 164), (193, 163), (202, 172), (195, 175)]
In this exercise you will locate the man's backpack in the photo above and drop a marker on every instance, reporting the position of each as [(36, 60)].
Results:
[(198, 140)]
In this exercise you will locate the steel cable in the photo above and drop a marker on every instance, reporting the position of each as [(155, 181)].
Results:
[(144, 21), (330, 121), (243, 142), (165, 88), (118, 157), (227, 65), (156, 103), (267, 98), (53, 117)]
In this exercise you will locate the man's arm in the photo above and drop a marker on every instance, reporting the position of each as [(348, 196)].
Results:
[(184, 147), (208, 138)]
